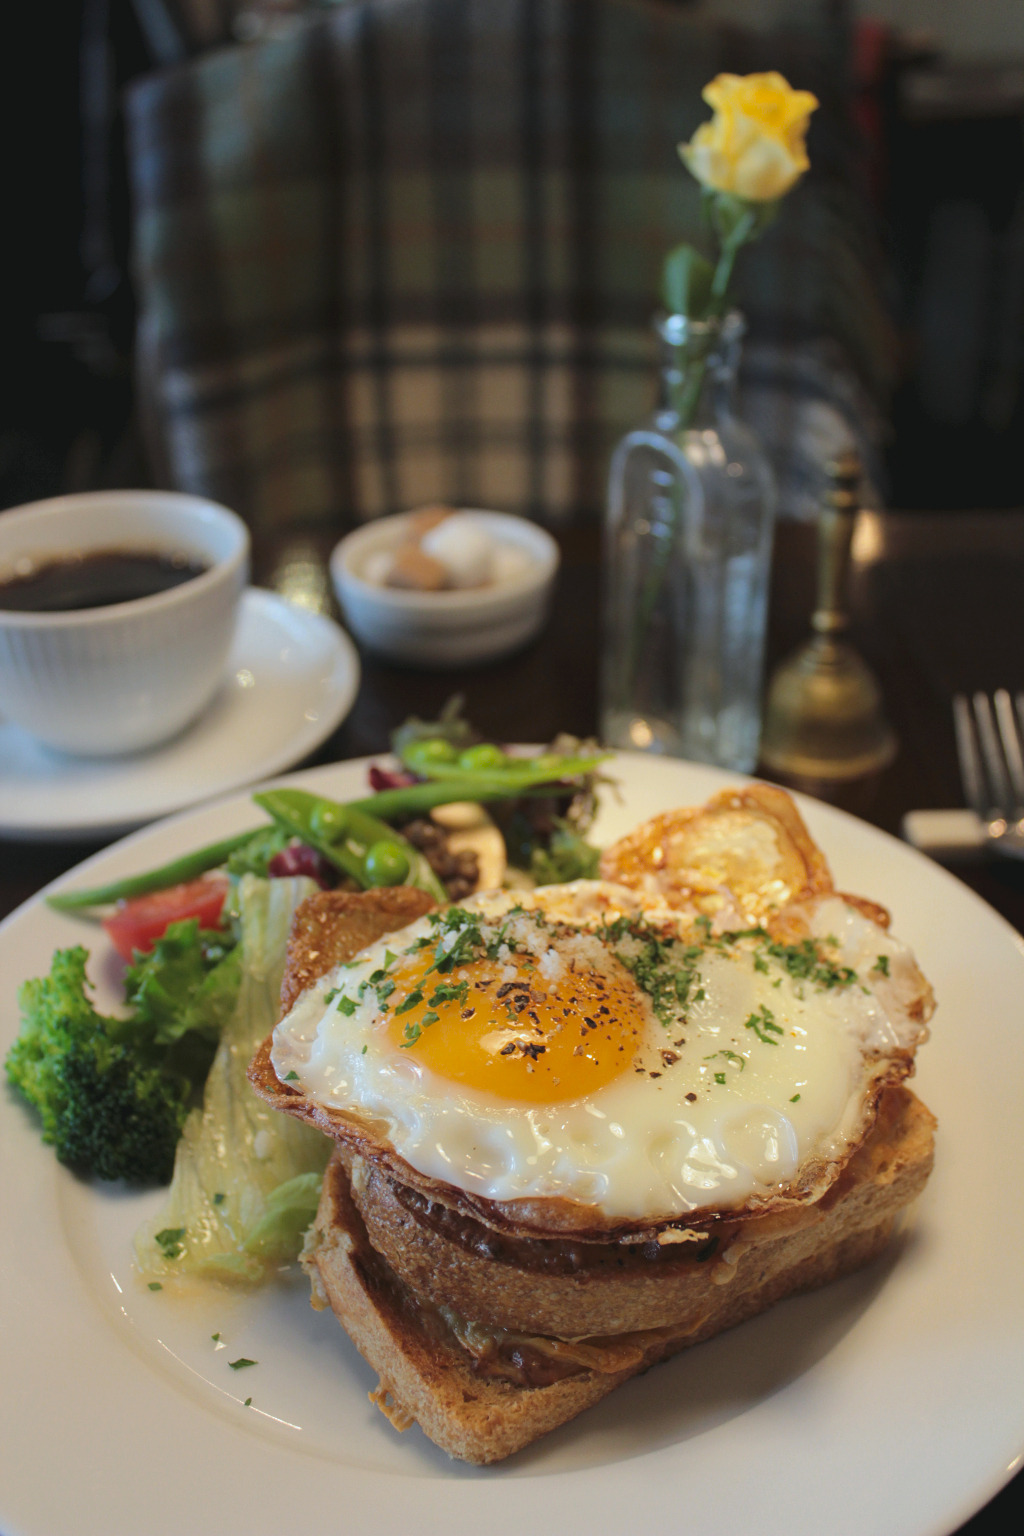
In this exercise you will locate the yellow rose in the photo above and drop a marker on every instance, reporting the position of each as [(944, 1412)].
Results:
[(754, 146)]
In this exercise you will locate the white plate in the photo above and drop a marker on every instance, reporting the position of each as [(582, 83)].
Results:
[(292, 677), (889, 1402)]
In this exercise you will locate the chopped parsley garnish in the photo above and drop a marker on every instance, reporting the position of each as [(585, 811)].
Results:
[(732, 1057), (761, 1021), (449, 992), (882, 965), (805, 962), (467, 943), (663, 967), (241, 1363), (289, 1077), (795, 1099), (667, 968), (154, 1285), (169, 1241)]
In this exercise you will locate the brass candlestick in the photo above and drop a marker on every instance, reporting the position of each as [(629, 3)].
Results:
[(823, 718)]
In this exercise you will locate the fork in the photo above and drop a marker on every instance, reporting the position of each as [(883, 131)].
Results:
[(989, 746)]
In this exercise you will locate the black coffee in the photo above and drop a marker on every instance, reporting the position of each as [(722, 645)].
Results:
[(96, 580)]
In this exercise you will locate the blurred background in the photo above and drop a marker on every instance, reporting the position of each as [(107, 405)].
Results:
[(934, 91)]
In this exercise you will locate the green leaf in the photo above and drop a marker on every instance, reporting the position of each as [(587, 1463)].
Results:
[(686, 282), (239, 1182), (290, 1208), (567, 857), (188, 981), (254, 856)]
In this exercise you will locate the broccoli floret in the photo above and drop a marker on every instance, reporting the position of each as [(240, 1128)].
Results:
[(117, 1119), (112, 1093)]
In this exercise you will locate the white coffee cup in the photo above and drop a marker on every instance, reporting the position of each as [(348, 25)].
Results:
[(102, 681)]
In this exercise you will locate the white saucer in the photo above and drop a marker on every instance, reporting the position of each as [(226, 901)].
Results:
[(292, 678)]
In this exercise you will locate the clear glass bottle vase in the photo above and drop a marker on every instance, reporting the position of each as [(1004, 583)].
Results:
[(687, 556)]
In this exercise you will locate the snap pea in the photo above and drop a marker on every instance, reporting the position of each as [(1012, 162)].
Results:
[(363, 830), (356, 833), (386, 863), (327, 819), (293, 809), (514, 774), (485, 755), (435, 752), (188, 867)]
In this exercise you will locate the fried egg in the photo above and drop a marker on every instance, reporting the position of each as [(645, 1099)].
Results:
[(569, 1044)]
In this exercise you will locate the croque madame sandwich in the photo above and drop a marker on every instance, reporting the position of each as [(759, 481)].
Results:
[(580, 1129)]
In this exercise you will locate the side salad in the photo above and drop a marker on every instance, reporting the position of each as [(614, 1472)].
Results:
[(157, 1092)]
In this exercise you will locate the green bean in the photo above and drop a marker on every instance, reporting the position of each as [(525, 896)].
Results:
[(414, 799), (188, 867)]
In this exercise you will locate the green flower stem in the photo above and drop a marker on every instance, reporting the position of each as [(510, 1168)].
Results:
[(685, 403), (736, 234)]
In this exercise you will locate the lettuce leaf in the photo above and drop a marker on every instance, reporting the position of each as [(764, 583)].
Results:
[(246, 1177)]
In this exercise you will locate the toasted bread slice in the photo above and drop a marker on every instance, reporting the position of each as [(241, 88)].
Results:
[(547, 1286), (332, 926), (328, 929), (441, 1374)]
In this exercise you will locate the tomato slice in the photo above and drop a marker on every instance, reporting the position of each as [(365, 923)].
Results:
[(136, 924)]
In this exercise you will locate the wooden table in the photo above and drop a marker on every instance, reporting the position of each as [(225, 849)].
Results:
[(937, 603)]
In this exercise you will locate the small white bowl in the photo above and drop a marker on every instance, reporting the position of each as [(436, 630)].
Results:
[(110, 680), (451, 628)]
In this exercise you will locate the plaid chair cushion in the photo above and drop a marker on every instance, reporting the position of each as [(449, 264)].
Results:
[(411, 252)]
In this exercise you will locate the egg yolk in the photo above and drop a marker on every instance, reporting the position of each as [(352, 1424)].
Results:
[(522, 1037)]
